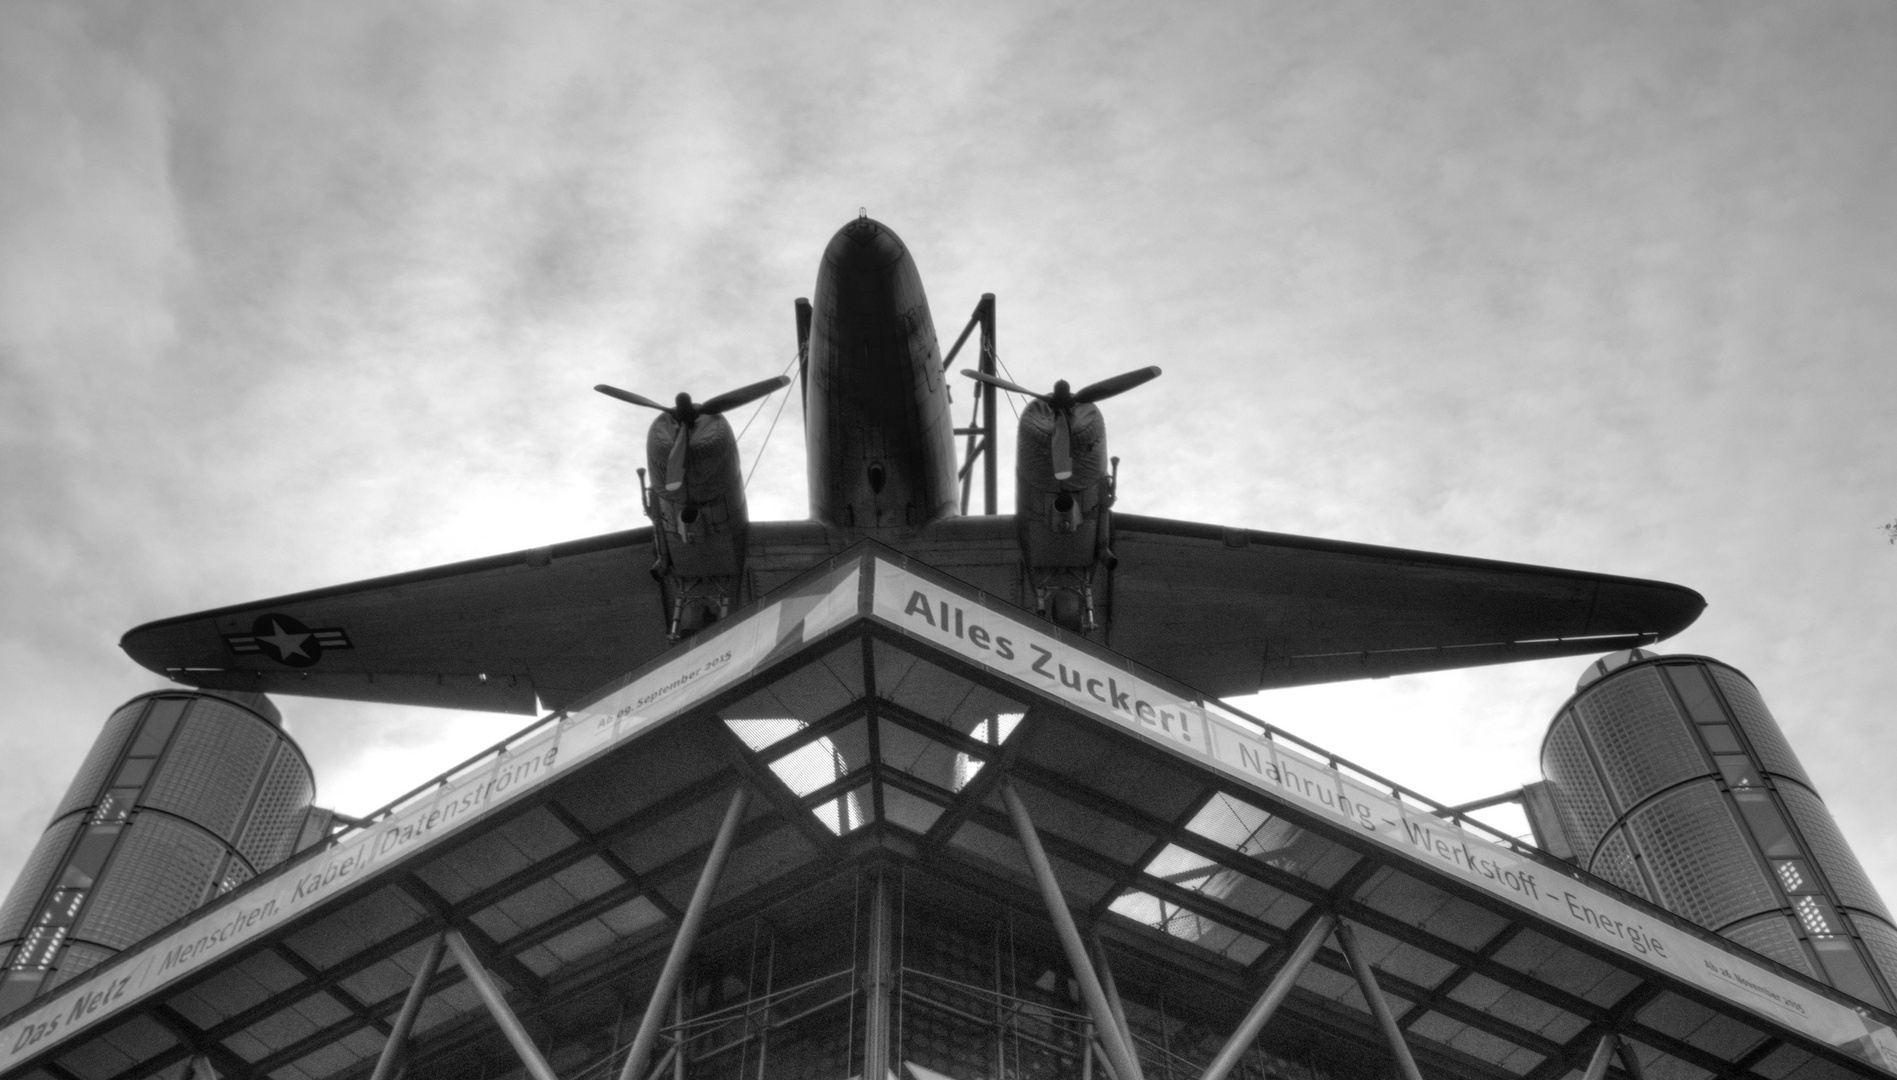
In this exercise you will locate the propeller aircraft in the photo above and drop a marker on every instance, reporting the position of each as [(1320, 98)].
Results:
[(1225, 610)]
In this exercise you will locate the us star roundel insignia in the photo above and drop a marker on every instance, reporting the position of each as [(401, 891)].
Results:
[(286, 640)]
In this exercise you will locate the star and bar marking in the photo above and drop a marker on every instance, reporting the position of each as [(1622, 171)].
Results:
[(286, 640)]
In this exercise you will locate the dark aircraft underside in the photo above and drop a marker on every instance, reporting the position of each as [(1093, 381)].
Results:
[(1227, 611)]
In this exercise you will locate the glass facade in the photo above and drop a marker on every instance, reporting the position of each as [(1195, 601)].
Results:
[(1672, 780), (184, 796)]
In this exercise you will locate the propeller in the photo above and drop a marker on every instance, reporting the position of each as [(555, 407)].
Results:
[(686, 412), (1063, 400)]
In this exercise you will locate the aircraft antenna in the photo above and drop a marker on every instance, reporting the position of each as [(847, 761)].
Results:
[(759, 460), (763, 402)]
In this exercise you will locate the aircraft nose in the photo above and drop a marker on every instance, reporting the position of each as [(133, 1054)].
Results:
[(865, 244)]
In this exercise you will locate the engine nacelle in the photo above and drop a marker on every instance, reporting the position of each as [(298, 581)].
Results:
[(1060, 521), (702, 523)]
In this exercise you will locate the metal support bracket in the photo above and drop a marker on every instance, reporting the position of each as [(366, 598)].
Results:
[(640, 1056), (1120, 1055)]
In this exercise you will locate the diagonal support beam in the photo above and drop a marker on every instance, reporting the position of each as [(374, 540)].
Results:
[(1112, 988), (1603, 1057), (490, 994), (1119, 1054), (640, 1057), (1379, 1005), (397, 1047), (1275, 992)]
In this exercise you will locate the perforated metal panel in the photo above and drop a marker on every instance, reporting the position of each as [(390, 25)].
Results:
[(1615, 862), (1881, 938), (78, 959), (90, 780), (276, 815), (1834, 856), (1643, 744), (23, 900), (1772, 936), (212, 766), (1768, 741), (1580, 799), (1699, 859), (158, 873)]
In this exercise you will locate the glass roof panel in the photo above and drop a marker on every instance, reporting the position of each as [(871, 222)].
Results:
[(944, 697), (1087, 827), (1188, 870), (909, 810), (1432, 910), (1245, 828), (825, 760), (929, 761), (809, 694), (1659, 1066), (1565, 969), (1149, 910), (847, 812)]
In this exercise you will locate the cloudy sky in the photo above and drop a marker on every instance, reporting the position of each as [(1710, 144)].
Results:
[(292, 295)]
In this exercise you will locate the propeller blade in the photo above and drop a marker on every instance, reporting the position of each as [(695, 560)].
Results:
[(1062, 446), (1003, 384), (631, 398), (675, 464), (743, 395), (1118, 384)]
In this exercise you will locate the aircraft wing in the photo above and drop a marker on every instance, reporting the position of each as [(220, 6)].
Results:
[(484, 634), (1233, 611)]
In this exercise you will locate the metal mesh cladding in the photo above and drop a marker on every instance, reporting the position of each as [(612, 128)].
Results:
[(1768, 742), (1585, 811), (1771, 936), (1615, 862), (78, 959), (90, 780), (212, 766), (23, 902), (1700, 861), (1881, 938), (276, 816), (1826, 845), (1643, 743), (159, 872)]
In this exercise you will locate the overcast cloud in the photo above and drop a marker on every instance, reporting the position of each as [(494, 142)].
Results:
[(292, 295)]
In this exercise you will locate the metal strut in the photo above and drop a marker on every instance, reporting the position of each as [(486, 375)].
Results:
[(1603, 1057), (1119, 1053), (397, 1047), (1379, 1006), (1275, 992), (497, 1007), (641, 1054)]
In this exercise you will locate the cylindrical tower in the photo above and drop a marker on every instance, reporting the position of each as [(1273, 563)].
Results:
[(1672, 780), (185, 795)]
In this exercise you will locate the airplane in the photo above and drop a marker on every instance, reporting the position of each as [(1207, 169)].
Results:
[(1226, 611)]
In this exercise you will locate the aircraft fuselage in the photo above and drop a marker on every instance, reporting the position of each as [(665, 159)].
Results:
[(880, 440)]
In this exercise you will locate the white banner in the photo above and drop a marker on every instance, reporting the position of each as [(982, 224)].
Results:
[(608, 721), (1083, 681)]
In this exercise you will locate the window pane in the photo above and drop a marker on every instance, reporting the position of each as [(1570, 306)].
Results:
[(1738, 771), (1768, 828)]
